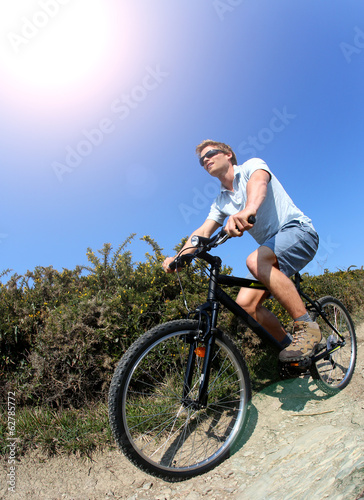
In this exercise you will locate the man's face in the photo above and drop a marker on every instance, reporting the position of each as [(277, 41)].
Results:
[(217, 164)]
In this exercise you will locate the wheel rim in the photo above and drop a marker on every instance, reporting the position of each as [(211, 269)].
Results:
[(169, 434), (336, 370)]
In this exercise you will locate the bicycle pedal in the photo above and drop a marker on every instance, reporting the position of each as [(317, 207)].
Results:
[(294, 369), (290, 370), (302, 364)]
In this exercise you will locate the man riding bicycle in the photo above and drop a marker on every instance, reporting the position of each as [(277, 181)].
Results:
[(287, 239)]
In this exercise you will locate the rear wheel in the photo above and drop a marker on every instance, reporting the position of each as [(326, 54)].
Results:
[(334, 371), (163, 431)]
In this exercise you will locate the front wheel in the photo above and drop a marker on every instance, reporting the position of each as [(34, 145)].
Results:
[(334, 371), (156, 424)]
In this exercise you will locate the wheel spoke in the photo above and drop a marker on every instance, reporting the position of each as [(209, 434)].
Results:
[(334, 373), (171, 432)]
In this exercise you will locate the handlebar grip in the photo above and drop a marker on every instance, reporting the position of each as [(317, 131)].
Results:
[(173, 265), (181, 261), (223, 234), (251, 219)]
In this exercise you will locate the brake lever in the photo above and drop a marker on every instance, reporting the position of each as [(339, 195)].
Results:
[(223, 236)]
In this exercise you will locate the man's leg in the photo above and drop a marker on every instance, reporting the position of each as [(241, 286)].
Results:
[(251, 301), (263, 264)]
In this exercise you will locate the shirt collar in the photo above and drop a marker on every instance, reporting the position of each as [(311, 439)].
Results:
[(236, 178)]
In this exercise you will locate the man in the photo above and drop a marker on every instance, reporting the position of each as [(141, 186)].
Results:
[(287, 239)]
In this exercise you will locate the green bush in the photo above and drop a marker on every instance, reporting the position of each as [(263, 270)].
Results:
[(62, 333)]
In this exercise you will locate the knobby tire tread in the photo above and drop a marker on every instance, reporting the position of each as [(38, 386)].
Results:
[(116, 389), (314, 371)]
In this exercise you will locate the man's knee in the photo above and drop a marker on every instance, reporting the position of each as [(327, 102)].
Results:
[(252, 263), (251, 300), (247, 304), (260, 261)]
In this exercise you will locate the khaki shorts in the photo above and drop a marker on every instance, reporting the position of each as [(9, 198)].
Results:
[(295, 245)]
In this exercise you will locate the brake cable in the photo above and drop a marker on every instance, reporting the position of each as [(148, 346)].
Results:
[(183, 292), (219, 239)]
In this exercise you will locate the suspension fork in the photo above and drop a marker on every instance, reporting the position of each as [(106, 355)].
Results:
[(189, 370), (207, 355), (210, 344), (206, 368), (212, 306)]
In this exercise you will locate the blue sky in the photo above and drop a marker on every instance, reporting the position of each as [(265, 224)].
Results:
[(103, 104)]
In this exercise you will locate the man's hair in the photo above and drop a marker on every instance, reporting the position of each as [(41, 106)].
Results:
[(218, 145)]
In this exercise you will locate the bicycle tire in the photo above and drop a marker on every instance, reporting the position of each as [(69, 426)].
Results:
[(334, 372), (152, 427)]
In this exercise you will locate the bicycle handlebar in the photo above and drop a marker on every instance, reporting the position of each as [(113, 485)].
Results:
[(203, 244)]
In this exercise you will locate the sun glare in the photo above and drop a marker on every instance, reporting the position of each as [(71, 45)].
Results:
[(55, 44)]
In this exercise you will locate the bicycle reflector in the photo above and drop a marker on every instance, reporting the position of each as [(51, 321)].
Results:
[(200, 352)]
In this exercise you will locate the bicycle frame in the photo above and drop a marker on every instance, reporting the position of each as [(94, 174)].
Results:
[(209, 310), (217, 296), (315, 306)]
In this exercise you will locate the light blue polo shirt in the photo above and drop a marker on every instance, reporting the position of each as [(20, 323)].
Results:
[(276, 210)]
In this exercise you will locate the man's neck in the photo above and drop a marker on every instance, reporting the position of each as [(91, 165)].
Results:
[(227, 179)]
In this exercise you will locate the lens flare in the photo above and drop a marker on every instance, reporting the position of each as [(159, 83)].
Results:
[(59, 58), (55, 45)]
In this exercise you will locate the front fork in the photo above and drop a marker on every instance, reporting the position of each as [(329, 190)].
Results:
[(206, 353)]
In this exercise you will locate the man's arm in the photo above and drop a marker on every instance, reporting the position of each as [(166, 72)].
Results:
[(256, 191), (206, 230)]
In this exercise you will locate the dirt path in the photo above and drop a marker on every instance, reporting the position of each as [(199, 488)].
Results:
[(301, 445)]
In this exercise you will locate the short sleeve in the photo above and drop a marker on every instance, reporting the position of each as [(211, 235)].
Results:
[(250, 166), (216, 214)]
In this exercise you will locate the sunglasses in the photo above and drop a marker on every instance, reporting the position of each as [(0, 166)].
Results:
[(210, 154)]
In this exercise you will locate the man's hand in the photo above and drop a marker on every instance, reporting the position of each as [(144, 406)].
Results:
[(206, 230), (166, 263), (238, 223)]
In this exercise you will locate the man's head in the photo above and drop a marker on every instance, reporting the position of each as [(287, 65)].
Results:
[(220, 146)]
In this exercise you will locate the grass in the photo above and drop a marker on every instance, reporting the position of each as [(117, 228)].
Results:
[(79, 432), (83, 431)]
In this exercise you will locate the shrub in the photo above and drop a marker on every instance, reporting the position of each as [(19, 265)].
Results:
[(62, 333)]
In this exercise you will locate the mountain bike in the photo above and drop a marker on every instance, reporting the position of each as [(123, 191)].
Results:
[(179, 397)]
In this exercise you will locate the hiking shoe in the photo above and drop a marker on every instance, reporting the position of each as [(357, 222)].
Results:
[(306, 336)]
